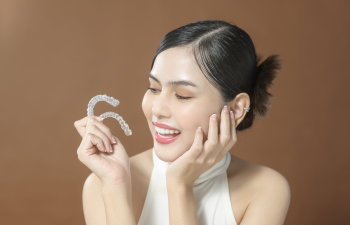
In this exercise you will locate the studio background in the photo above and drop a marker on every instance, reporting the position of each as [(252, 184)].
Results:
[(56, 55)]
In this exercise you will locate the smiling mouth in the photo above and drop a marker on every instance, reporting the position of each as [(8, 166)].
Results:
[(166, 132), (166, 136)]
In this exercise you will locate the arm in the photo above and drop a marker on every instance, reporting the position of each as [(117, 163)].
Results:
[(182, 207), (105, 204), (110, 186), (93, 205), (271, 203), (117, 202)]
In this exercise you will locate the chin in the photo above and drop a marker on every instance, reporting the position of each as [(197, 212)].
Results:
[(166, 153)]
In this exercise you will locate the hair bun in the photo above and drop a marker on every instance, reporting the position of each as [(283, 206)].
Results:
[(266, 72)]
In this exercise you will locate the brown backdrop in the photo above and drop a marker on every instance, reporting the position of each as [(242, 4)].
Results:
[(56, 55)]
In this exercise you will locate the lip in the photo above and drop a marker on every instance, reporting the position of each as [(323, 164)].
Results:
[(161, 125), (162, 140)]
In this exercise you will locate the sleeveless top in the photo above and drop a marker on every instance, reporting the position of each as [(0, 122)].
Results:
[(210, 190)]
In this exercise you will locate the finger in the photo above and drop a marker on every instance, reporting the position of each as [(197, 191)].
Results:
[(91, 140), (213, 130), (93, 128), (197, 145), (98, 122), (225, 126), (120, 150), (81, 124), (233, 127)]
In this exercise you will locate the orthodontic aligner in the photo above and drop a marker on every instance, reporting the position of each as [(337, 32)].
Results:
[(112, 101)]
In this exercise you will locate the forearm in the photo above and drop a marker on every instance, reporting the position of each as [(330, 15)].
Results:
[(118, 205), (182, 207)]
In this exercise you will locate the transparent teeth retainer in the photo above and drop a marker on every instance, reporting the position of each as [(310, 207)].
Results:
[(114, 102)]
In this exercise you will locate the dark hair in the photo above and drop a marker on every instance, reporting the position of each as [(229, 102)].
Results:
[(226, 56)]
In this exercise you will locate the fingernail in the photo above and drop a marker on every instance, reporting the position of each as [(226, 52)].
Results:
[(225, 108), (114, 140), (100, 118), (213, 116), (231, 114)]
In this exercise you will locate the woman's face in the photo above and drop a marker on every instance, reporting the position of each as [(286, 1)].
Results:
[(175, 74)]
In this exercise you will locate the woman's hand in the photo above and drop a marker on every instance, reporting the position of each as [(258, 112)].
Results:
[(102, 152), (80, 125), (200, 157)]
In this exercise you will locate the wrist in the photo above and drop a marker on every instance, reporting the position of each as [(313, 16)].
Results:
[(178, 185), (116, 180)]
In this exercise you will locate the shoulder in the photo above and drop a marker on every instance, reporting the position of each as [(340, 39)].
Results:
[(145, 157), (271, 185), (268, 190), (256, 177)]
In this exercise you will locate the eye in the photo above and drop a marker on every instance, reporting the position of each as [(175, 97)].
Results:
[(182, 97), (153, 90)]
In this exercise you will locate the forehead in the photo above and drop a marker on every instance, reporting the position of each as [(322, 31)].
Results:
[(178, 63)]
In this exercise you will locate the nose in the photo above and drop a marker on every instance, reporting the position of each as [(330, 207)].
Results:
[(160, 107)]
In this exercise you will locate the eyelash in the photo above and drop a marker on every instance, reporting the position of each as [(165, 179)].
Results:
[(178, 96)]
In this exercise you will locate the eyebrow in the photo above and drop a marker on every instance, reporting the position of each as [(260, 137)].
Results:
[(174, 83)]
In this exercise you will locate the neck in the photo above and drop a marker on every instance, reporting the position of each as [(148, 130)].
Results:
[(220, 167)]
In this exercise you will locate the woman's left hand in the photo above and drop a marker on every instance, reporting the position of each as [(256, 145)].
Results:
[(200, 157)]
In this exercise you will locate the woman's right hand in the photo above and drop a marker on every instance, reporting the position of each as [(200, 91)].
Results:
[(81, 124), (108, 160)]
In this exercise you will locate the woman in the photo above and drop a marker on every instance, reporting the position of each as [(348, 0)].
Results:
[(205, 83)]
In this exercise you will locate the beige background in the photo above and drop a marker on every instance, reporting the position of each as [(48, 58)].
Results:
[(56, 55)]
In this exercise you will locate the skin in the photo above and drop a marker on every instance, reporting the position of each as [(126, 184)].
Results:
[(161, 103), (115, 192)]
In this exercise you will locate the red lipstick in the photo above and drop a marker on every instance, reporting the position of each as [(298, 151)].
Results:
[(165, 138), (163, 126)]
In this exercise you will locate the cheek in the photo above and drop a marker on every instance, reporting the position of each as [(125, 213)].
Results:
[(147, 105), (195, 115)]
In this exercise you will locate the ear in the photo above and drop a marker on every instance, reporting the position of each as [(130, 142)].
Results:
[(237, 105)]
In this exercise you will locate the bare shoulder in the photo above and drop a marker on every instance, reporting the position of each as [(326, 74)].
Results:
[(262, 192), (142, 161), (141, 166)]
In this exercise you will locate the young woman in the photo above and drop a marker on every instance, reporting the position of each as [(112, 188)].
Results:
[(206, 83)]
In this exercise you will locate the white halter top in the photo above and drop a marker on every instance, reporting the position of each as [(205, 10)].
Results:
[(211, 195)]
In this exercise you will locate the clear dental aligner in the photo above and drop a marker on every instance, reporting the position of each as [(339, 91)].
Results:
[(114, 102)]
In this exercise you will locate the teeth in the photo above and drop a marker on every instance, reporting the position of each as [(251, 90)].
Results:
[(166, 131)]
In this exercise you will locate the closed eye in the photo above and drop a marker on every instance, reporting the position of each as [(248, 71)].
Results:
[(153, 90), (182, 97)]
